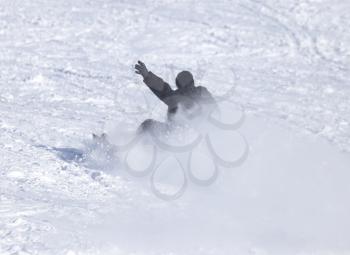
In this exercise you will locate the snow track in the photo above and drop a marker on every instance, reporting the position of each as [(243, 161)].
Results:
[(66, 72)]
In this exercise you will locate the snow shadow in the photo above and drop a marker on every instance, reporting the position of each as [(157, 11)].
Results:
[(89, 156), (67, 154), (70, 154)]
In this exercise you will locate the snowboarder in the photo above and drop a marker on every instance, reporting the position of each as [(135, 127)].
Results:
[(192, 101)]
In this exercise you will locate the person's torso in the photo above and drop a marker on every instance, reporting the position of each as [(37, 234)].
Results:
[(190, 103)]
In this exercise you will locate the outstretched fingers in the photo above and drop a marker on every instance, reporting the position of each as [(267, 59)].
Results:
[(141, 68), (138, 67)]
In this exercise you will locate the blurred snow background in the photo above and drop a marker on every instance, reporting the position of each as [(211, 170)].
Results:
[(66, 71)]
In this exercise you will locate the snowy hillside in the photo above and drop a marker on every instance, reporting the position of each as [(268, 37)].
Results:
[(66, 71)]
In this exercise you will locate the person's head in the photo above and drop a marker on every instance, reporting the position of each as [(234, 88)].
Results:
[(184, 80)]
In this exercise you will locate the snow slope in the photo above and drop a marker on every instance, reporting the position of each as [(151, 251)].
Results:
[(66, 71)]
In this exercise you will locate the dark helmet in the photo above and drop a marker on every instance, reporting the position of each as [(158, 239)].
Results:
[(184, 79)]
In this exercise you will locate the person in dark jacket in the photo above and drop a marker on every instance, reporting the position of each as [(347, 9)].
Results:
[(192, 101)]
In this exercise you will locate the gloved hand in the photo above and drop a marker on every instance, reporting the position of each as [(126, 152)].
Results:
[(141, 69)]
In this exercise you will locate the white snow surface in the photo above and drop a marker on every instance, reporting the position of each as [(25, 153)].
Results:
[(66, 71)]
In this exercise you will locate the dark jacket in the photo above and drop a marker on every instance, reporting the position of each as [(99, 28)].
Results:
[(188, 97)]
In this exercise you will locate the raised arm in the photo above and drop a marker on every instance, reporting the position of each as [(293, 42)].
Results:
[(160, 88)]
